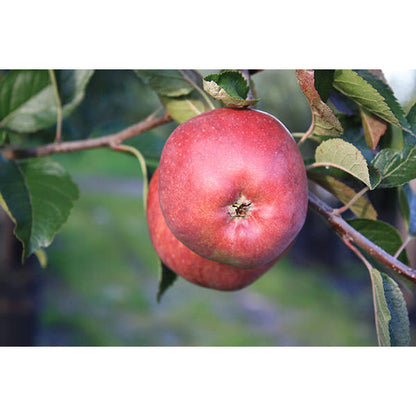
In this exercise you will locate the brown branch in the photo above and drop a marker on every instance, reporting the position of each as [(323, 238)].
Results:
[(78, 145), (347, 232)]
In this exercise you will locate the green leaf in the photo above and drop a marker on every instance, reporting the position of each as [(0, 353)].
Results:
[(324, 79), (167, 279), (16, 198), (371, 93), (39, 195), (381, 309), (324, 121), (396, 167), (378, 82), (230, 87), (392, 318), (345, 156), (180, 92), (399, 325), (28, 102), (382, 234), (185, 107), (409, 139), (362, 207), (411, 117), (169, 83), (4, 206)]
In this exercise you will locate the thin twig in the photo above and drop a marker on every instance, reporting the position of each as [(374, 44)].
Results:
[(135, 152), (356, 197), (346, 231), (403, 246), (358, 253), (308, 132), (204, 96), (59, 115), (298, 135), (154, 114), (78, 145)]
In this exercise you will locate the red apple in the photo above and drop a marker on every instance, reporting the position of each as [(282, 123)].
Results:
[(185, 262), (233, 186)]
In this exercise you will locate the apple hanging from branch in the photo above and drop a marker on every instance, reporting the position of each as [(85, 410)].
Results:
[(233, 186)]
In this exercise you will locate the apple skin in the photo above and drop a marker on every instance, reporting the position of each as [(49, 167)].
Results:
[(233, 156), (185, 262)]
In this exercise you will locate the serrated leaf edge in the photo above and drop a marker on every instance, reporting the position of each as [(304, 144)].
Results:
[(399, 154), (392, 116), (354, 97), (379, 300), (366, 179), (25, 253), (217, 92)]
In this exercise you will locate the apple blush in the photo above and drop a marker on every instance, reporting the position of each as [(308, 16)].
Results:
[(233, 186)]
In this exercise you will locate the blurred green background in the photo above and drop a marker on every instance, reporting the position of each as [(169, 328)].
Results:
[(100, 286)]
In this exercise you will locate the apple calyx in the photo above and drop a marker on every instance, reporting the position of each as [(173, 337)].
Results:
[(240, 208)]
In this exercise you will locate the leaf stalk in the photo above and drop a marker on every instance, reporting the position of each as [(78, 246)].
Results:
[(59, 115)]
